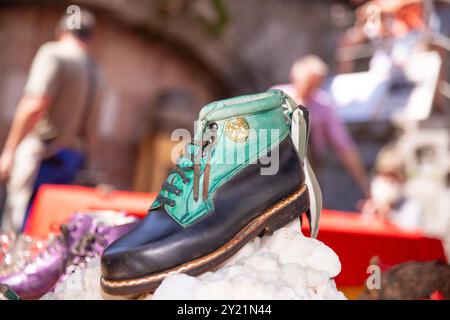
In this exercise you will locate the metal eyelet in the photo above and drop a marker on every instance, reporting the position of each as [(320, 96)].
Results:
[(172, 203), (213, 125)]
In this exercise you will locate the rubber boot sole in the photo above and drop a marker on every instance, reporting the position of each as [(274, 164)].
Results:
[(271, 220)]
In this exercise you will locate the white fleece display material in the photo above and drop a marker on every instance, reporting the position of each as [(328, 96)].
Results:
[(286, 265)]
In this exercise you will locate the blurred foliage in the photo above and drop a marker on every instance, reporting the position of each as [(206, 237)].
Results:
[(211, 15)]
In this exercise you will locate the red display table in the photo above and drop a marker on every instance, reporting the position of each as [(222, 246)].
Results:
[(355, 239), (54, 204)]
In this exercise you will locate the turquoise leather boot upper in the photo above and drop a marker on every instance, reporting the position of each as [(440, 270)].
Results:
[(230, 134)]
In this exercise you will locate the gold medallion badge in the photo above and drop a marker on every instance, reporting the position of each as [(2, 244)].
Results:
[(237, 129)]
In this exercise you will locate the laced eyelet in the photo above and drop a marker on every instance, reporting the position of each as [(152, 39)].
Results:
[(179, 192), (213, 125)]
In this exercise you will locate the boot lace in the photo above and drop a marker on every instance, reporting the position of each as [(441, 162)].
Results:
[(202, 149)]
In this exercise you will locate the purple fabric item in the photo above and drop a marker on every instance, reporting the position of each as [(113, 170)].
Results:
[(39, 276), (80, 238)]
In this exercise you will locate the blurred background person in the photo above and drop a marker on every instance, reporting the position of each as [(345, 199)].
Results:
[(307, 76), (396, 28), (50, 119), (388, 196)]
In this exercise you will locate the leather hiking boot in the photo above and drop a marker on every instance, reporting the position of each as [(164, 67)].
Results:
[(241, 176)]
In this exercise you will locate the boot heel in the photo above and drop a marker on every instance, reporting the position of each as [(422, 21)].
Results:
[(289, 213)]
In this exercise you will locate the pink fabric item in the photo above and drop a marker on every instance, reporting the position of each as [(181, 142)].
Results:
[(326, 128)]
